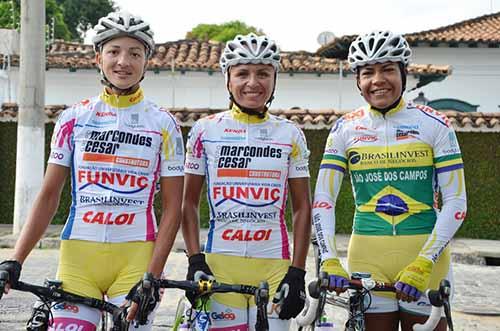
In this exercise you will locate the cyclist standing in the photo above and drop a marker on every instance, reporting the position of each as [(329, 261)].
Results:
[(249, 160), (116, 148), (400, 156)]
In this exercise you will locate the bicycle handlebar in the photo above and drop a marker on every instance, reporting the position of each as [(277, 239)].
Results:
[(202, 287), (439, 300), (4, 278), (53, 293), (208, 286), (314, 307)]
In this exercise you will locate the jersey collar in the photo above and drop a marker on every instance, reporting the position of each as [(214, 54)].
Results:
[(240, 116), (122, 101), (394, 110)]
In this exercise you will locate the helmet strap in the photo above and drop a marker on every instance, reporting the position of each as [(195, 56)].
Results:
[(249, 111), (115, 89), (386, 109), (402, 69), (404, 73)]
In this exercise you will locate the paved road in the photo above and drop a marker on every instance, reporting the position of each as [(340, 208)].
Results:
[(477, 291)]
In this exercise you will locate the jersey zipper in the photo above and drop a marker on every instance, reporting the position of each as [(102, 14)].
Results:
[(386, 136), (245, 224)]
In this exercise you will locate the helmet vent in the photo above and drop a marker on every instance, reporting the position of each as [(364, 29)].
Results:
[(380, 43), (242, 54), (370, 43), (378, 47), (362, 47), (250, 49), (397, 52), (394, 42)]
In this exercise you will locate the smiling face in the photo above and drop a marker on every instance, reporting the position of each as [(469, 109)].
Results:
[(251, 84), (380, 84), (123, 61)]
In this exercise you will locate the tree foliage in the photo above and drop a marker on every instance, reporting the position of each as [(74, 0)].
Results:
[(65, 19), (10, 16), (81, 15), (221, 32)]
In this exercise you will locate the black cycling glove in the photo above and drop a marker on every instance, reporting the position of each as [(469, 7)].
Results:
[(291, 293), (196, 263), (13, 267), (146, 294)]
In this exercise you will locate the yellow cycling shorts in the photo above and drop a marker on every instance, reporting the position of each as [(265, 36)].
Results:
[(248, 271), (95, 269), (385, 256)]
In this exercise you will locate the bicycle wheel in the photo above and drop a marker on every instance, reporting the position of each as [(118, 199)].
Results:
[(179, 313)]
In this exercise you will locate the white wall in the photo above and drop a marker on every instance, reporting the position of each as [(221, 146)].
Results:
[(201, 90), (475, 77)]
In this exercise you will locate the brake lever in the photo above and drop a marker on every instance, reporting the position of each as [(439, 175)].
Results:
[(321, 288), (445, 292), (4, 279), (120, 322), (145, 294), (261, 300)]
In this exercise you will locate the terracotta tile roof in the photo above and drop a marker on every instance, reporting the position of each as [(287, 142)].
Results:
[(193, 55), (480, 30), (309, 119)]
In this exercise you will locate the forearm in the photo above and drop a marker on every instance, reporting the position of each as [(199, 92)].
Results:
[(323, 212), (301, 237), (190, 229), (301, 216), (167, 231), (450, 217), (42, 212)]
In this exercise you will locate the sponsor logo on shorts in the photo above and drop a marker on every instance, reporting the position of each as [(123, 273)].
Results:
[(224, 315), (67, 307)]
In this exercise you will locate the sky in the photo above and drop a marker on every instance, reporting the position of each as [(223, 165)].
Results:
[(295, 25)]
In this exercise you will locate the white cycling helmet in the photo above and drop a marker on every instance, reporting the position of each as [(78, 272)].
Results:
[(123, 24), (250, 49), (378, 47)]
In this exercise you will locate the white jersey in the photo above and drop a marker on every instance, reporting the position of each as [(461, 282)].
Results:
[(247, 162), (117, 148)]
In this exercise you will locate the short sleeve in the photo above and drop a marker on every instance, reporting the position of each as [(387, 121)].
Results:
[(447, 155), (299, 156), (195, 156), (172, 151), (334, 156), (62, 143)]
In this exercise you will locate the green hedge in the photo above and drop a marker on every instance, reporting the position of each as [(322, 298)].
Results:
[(481, 154)]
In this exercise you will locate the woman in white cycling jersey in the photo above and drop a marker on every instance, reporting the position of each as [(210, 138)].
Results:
[(249, 160), (116, 148), (400, 157)]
